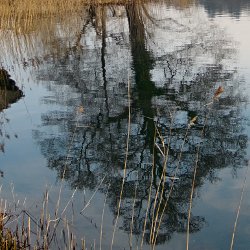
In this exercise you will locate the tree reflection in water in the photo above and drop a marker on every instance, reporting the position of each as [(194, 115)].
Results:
[(168, 89)]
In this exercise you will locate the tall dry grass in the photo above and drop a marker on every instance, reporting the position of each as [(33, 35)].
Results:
[(20, 229), (22, 13), (31, 31)]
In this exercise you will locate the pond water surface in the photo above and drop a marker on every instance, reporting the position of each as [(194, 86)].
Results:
[(140, 73)]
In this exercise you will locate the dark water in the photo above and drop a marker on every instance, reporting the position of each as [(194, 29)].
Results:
[(72, 123)]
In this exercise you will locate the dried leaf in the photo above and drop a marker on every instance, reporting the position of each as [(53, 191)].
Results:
[(193, 120), (218, 92), (80, 109)]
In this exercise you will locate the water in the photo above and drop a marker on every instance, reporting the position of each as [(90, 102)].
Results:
[(73, 120)]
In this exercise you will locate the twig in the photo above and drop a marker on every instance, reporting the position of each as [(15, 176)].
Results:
[(149, 195), (71, 198), (103, 210), (132, 221), (161, 182), (91, 198), (239, 207), (125, 166), (216, 95)]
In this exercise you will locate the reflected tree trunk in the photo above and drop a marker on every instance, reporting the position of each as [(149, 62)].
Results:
[(142, 64)]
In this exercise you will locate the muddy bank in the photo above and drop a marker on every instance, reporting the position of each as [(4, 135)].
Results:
[(9, 92)]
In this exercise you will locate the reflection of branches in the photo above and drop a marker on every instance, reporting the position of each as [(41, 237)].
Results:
[(100, 143)]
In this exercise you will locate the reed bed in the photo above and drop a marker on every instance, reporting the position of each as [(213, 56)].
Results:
[(22, 13), (29, 29), (27, 10), (20, 229)]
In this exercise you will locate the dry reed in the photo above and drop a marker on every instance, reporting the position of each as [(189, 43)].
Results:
[(125, 166)]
